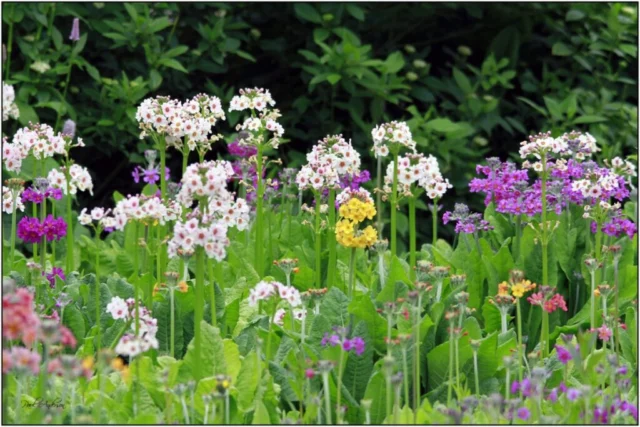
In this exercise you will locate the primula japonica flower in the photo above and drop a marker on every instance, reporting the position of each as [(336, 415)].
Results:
[(356, 344), (548, 300), (80, 179), (616, 226), (564, 355), (150, 175), (330, 160), (264, 290), (20, 360), (523, 413), (38, 140), (36, 196), (355, 207), (19, 320), (8, 196), (130, 344), (392, 136), (244, 152), (255, 130), (31, 230), (466, 221), (70, 368), (145, 209), (9, 107), (51, 276), (419, 170)]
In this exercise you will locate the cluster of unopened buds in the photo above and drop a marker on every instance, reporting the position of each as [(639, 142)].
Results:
[(172, 284)]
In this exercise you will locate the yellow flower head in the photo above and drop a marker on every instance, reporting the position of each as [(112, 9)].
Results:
[(87, 363), (503, 289), (183, 287)]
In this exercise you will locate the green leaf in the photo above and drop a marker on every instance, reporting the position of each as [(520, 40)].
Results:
[(355, 11), (394, 62), (261, 415), (535, 106), (589, 119), (358, 369), (561, 49), (554, 107), (463, 82), (363, 309), (172, 63), (131, 10), (376, 392), (56, 36), (574, 15), (74, 320), (333, 78), (307, 12), (213, 361), (248, 380)]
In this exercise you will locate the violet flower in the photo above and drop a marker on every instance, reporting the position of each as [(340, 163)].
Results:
[(51, 277), (75, 30)]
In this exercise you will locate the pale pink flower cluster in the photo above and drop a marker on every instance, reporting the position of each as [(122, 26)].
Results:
[(145, 208), (265, 290), (420, 170), (7, 200), (330, 160), (596, 185), (208, 179), (392, 133), (298, 314), (130, 344), (20, 360), (254, 131), (80, 179), (98, 215), (212, 236), (9, 107), (348, 193), (192, 120)]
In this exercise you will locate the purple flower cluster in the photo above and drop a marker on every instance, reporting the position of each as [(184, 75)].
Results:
[(564, 355), (356, 343), (235, 149), (616, 226), (150, 175), (601, 413), (588, 170), (51, 277), (35, 196), (31, 230), (466, 221)]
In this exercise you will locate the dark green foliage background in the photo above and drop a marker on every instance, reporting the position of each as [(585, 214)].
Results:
[(473, 80)]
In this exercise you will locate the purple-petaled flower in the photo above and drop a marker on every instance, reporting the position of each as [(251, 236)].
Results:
[(29, 230), (466, 221), (51, 277), (616, 226), (150, 176), (553, 395), (35, 196), (524, 414), (332, 340), (622, 370), (358, 344), (69, 128), (75, 30), (564, 356), (562, 387), (573, 394), (347, 345), (54, 228), (525, 387), (515, 386), (309, 373), (600, 415), (244, 151)]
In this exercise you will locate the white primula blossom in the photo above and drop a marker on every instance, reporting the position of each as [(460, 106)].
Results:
[(419, 170), (9, 107), (130, 344), (143, 208), (7, 200), (278, 318), (80, 179), (299, 313), (208, 179), (261, 128), (348, 193), (392, 134), (186, 236), (543, 143), (265, 290), (329, 161), (252, 99)]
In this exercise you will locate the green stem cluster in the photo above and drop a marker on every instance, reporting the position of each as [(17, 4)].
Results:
[(318, 243), (259, 250), (199, 311), (412, 236), (394, 203), (331, 239)]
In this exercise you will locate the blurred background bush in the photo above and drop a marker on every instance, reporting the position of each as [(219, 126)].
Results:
[(472, 80)]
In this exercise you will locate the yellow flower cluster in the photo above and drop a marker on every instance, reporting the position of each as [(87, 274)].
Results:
[(517, 289), (357, 210), (354, 212)]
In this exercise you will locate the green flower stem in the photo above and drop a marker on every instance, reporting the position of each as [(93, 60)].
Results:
[(327, 397), (475, 372), (405, 375), (185, 157), (416, 361), (434, 214), (379, 196), (99, 332), (545, 266), (18, 404), (352, 273), (339, 390), (271, 316), (9, 49), (259, 250), (34, 213), (163, 258), (199, 311), (213, 293), (394, 203), (172, 344), (43, 250), (598, 249), (69, 219), (616, 332), (13, 231), (389, 394), (592, 299), (516, 244), (53, 242), (520, 355), (507, 385), (331, 239), (412, 236), (545, 333), (318, 242), (450, 382)]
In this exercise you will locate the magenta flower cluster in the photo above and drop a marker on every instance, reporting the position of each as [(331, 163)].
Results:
[(35, 196), (51, 277), (31, 230), (616, 226), (356, 343), (242, 151), (466, 221)]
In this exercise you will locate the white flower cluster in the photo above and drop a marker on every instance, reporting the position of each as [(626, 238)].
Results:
[(330, 160), (541, 144), (80, 179), (416, 168), (347, 194), (211, 236), (9, 107), (208, 179), (298, 314), (252, 99), (622, 167), (265, 290), (146, 209), (192, 120), (36, 139), (596, 184), (130, 344), (99, 215), (7, 200), (393, 133)]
